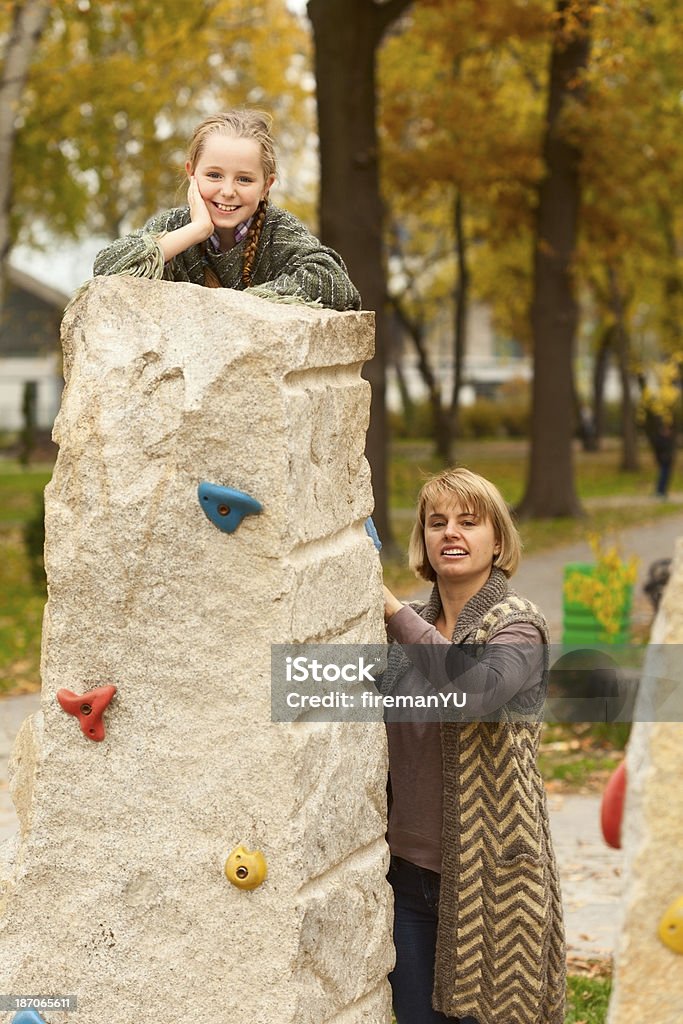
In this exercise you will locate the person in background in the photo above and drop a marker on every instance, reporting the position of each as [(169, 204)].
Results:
[(664, 447)]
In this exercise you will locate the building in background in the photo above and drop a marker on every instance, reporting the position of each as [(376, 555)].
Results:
[(30, 354), (490, 362)]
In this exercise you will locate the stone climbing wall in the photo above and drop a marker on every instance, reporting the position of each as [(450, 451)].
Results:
[(114, 889), (648, 974)]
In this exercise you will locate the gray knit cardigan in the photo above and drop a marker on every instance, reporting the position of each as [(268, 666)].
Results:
[(500, 954), (290, 263)]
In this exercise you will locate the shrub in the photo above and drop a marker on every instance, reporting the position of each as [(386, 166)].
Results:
[(415, 427), (482, 419), (34, 541)]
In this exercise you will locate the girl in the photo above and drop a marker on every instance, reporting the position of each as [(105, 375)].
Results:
[(478, 922), (229, 235)]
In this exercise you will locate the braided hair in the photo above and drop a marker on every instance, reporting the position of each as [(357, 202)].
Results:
[(211, 279), (241, 124), (252, 241)]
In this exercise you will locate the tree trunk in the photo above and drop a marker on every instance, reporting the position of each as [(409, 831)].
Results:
[(673, 287), (28, 21), (585, 422), (461, 304), (599, 377), (554, 312), (441, 422), (629, 432), (407, 403), (347, 34)]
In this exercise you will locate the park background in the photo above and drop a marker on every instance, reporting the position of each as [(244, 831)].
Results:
[(503, 181)]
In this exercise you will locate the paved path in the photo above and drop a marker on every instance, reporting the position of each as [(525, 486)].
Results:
[(540, 576), (590, 875)]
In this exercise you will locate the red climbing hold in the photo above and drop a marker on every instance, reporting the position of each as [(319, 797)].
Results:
[(88, 708), (612, 807)]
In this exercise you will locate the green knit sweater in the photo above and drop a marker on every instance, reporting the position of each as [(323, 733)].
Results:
[(290, 263)]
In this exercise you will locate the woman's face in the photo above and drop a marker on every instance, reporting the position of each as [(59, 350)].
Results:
[(460, 545)]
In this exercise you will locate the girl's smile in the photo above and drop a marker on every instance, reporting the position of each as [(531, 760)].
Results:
[(231, 181)]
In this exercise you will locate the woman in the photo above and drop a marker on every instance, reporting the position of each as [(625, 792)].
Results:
[(478, 921)]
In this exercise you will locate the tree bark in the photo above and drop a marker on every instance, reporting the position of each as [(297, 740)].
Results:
[(441, 422), (599, 378), (347, 34), (673, 287), (461, 304), (550, 487), (629, 432), (28, 21), (407, 404)]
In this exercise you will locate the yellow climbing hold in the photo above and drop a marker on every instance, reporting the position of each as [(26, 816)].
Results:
[(246, 868), (671, 926)]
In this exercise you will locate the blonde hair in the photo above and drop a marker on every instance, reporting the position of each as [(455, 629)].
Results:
[(240, 124), (474, 494)]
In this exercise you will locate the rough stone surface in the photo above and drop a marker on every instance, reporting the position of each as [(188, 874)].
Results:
[(113, 889), (648, 976)]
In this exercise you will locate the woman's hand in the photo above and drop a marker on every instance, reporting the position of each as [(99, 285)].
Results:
[(199, 211), (391, 604)]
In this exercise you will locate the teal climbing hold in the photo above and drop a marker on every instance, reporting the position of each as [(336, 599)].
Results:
[(27, 1017), (225, 506), (371, 531)]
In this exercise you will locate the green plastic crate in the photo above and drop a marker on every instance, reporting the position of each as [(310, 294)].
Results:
[(580, 626)]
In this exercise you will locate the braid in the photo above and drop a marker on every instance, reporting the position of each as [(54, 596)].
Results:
[(211, 278), (252, 241)]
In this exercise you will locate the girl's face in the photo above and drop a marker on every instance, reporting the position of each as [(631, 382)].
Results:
[(460, 545), (231, 180)]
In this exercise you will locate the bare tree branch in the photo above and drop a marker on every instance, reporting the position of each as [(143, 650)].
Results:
[(28, 21)]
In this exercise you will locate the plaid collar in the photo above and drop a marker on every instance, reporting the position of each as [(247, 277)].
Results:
[(241, 232)]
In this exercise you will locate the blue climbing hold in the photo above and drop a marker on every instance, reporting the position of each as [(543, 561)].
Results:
[(226, 507), (27, 1017), (371, 531)]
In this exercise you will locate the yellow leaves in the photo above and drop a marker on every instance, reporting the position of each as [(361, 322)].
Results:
[(606, 593), (573, 20), (120, 86), (661, 392)]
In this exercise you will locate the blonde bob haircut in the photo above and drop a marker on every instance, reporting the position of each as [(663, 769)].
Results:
[(475, 494)]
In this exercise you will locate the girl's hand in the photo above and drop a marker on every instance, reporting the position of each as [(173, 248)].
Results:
[(391, 604), (199, 211)]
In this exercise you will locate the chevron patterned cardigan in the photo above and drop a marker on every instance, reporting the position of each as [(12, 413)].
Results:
[(291, 265), (500, 954)]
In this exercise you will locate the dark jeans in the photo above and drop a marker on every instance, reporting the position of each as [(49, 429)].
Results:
[(416, 914), (663, 478)]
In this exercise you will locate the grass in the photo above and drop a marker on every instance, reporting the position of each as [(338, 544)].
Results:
[(597, 473), (583, 773), (587, 998), (581, 756), (20, 490)]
